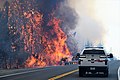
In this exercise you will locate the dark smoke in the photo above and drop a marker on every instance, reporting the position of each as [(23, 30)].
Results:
[(68, 15), (70, 19)]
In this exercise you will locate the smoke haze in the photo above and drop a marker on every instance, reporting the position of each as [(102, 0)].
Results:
[(88, 28)]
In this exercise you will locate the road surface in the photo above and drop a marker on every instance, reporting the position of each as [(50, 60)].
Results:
[(69, 72)]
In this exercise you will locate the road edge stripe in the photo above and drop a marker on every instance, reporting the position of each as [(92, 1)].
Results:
[(24, 72), (64, 74), (14, 74), (119, 73)]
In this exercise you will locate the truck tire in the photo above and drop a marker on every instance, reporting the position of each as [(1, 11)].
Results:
[(106, 73), (80, 73)]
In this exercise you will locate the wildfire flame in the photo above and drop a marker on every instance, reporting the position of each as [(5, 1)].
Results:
[(53, 42), (46, 44)]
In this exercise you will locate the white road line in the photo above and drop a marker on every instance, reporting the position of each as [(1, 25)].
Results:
[(19, 73), (119, 73)]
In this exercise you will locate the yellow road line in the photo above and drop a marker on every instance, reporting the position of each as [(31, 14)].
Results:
[(62, 75)]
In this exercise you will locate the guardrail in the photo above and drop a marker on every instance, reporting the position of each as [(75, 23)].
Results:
[(119, 73)]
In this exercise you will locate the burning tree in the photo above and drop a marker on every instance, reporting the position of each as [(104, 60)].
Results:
[(38, 31)]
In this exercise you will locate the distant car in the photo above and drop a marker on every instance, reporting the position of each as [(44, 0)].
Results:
[(94, 60)]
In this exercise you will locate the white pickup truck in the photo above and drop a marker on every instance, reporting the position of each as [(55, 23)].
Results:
[(94, 60)]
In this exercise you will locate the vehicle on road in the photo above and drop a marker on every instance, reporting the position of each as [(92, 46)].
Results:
[(94, 61)]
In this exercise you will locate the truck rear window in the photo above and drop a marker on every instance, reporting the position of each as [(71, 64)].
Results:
[(94, 52)]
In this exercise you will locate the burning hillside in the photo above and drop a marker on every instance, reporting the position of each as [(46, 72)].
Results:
[(39, 28)]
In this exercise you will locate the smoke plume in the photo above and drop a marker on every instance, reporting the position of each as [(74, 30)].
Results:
[(88, 28)]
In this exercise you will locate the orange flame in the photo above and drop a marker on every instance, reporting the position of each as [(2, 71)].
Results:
[(53, 42)]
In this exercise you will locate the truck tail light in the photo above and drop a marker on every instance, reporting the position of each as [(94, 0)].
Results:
[(98, 60)]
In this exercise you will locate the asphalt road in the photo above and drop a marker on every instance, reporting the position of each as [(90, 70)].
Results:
[(50, 72), (113, 74)]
